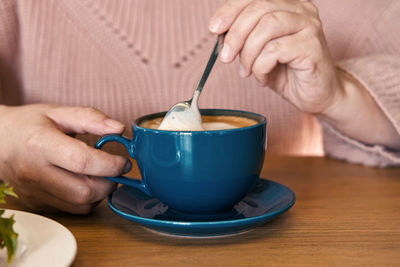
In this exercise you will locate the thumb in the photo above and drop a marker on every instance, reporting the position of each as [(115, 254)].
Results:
[(83, 120)]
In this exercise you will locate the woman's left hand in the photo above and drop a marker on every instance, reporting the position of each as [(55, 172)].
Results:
[(282, 44)]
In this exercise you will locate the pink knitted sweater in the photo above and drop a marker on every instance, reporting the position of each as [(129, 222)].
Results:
[(130, 58)]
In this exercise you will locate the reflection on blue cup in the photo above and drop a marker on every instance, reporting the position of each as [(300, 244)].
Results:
[(198, 172)]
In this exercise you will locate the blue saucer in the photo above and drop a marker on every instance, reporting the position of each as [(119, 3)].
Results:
[(263, 203)]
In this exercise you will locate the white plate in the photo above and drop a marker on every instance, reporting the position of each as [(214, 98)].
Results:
[(41, 242)]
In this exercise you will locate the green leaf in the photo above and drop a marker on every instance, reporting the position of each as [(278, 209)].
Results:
[(8, 237), (6, 190)]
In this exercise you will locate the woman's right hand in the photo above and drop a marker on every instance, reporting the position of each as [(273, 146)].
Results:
[(49, 169)]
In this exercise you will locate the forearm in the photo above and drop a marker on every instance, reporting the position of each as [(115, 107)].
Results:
[(357, 115)]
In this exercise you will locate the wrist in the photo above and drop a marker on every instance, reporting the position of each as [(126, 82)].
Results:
[(349, 93), (355, 113)]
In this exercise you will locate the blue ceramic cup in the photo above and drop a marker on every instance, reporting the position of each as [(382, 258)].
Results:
[(196, 172)]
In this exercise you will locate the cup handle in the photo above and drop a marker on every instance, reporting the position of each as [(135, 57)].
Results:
[(136, 183)]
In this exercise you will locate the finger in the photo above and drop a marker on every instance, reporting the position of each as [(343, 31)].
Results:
[(275, 80), (271, 26), (44, 202), (72, 188), (226, 15), (74, 155), (84, 120), (247, 20), (295, 50), (102, 186)]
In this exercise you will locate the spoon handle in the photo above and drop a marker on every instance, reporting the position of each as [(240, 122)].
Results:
[(211, 61)]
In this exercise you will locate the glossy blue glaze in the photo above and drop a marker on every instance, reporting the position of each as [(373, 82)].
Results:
[(263, 203), (201, 172)]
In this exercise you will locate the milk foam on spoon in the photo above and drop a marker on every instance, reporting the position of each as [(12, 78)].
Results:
[(186, 120)]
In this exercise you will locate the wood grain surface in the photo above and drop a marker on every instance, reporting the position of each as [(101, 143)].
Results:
[(345, 215)]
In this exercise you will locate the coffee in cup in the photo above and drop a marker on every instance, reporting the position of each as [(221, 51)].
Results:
[(210, 123)]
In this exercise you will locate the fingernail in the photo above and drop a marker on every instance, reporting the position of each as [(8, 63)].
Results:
[(127, 167), (263, 83), (242, 71), (225, 53), (215, 24), (113, 123)]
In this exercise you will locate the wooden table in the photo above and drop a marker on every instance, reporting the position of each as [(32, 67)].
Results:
[(344, 215)]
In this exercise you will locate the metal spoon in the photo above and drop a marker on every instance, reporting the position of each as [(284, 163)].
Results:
[(185, 115)]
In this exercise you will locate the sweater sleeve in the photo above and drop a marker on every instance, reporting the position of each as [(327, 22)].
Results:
[(380, 75), (373, 58)]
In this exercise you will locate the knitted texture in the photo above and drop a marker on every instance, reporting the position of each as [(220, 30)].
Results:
[(130, 58)]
